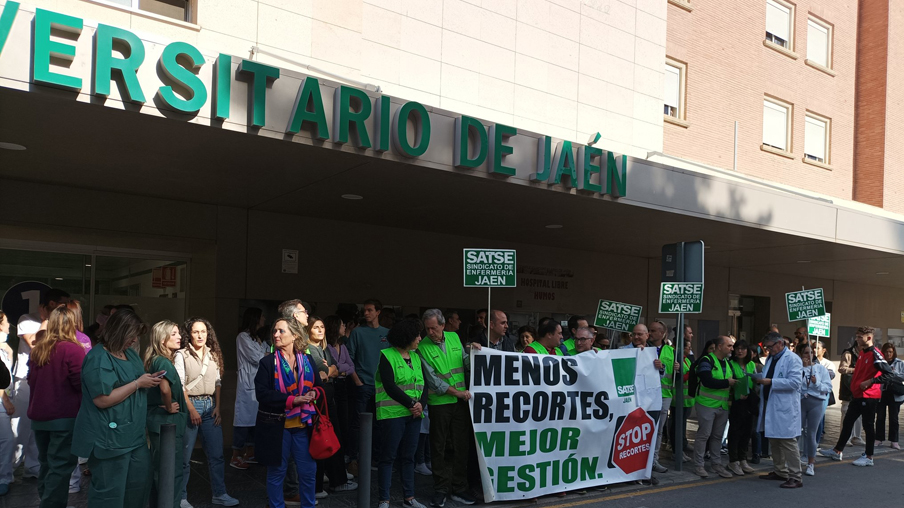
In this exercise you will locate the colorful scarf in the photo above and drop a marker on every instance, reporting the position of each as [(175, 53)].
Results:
[(284, 381)]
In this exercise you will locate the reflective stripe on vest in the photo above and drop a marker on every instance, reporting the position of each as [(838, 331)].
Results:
[(409, 379), (447, 365), (708, 397)]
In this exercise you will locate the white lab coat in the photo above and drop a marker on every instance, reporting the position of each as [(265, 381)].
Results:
[(249, 352), (781, 420)]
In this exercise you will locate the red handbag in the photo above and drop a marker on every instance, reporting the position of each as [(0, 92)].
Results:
[(324, 443)]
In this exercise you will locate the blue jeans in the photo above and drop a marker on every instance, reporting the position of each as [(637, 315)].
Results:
[(400, 437), (211, 440), (294, 445), (822, 424)]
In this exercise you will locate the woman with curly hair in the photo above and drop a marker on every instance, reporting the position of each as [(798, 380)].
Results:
[(199, 364)]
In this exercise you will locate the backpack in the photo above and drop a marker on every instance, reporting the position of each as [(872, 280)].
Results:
[(894, 383)]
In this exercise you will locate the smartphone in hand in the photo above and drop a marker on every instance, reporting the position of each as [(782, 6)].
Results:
[(159, 374)]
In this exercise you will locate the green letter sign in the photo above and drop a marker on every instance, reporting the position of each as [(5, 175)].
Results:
[(461, 151), (183, 75), (586, 168), (44, 48), (421, 129), (498, 149), (10, 9), (309, 97), (223, 86), (104, 63), (564, 163), (261, 75), (344, 119)]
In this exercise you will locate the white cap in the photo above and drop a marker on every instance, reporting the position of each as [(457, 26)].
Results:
[(28, 325)]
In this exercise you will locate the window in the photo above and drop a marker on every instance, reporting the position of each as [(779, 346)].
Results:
[(819, 43), (672, 91), (776, 125), (674, 94), (778, 23), (176, 9), (816, 139)]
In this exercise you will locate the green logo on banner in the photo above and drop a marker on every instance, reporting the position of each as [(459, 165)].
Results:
[(624, 369)]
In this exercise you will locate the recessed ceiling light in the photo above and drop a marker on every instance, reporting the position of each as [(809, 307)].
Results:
[(11, 146), (707, 246), (803, 261), (352, 196), (881, 273), (553, 226), (58, 278), (87, 265)]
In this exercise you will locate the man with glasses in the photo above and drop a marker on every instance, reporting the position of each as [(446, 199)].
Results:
[(583, 339), (779, 417), (639, 338), (715, 378)]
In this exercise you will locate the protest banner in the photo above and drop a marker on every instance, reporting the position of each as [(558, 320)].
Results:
[(546, 424)]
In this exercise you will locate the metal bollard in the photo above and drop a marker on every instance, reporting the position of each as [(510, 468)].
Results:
[(167, 474), (365, 455)]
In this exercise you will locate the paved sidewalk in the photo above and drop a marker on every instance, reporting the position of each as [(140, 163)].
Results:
[(249, 486)]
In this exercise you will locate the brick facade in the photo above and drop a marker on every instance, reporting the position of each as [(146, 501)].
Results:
[(730, 70), (872, 90)]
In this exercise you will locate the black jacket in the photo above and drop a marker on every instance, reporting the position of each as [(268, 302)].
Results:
[(508, 343), (268, 432)]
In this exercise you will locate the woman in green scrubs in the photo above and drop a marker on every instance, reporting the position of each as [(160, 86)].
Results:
[(113, 416), (166, 403)]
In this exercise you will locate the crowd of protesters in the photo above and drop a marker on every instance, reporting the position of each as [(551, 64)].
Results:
[(86, 396)]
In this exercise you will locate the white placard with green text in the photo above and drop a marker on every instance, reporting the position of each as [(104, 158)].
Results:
[(820, 326), (806, 304), (621, 317), (681, 297), (546, 424)]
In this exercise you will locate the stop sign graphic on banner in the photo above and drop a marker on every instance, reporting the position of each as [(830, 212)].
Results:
[(633, 440)]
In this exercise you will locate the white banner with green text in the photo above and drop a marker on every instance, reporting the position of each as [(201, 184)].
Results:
[(546, 424)]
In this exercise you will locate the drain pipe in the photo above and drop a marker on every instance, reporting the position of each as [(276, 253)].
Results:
[(370, 87)]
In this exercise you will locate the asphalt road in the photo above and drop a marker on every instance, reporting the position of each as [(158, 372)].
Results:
[(835, 484)]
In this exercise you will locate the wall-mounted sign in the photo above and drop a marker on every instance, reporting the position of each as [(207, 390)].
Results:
[(289, 261), (196, 85)]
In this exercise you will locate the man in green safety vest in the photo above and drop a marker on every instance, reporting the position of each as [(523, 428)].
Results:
[(667, 367), (716, 381), (445, 361)]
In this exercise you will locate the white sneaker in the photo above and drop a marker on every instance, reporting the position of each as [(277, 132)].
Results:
[(345, 487), (349, 476), (863, 461), (422, 469), (185, 504), (320, 495), (659, 468), (412, 503), (832, 454), (811, 471), (857, 441)]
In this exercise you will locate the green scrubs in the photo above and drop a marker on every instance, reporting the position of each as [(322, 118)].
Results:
[(113, 439), (158, 416)]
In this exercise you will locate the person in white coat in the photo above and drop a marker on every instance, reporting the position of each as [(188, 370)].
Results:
[(779, 415), (249, 351), (26, 450)]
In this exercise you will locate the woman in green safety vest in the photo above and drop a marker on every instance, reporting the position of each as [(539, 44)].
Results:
[(744, 408), (400, 400)]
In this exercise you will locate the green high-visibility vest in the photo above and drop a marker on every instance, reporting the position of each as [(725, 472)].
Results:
[(409, 379), (688, 400), (667, 357), (571, 347), (714, 398), (542, 350), (745, 383), (448, 366)]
